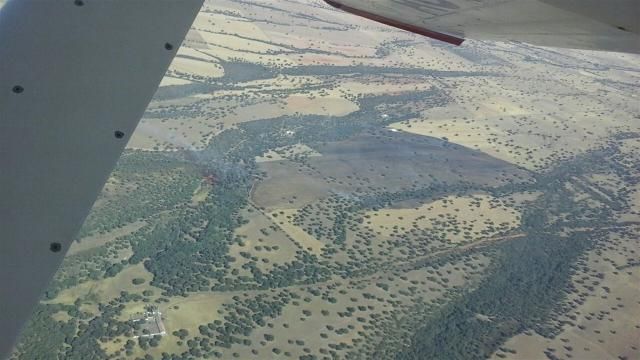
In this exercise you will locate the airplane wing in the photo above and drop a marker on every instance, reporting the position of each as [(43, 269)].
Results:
[(612, 25), (75, 79)]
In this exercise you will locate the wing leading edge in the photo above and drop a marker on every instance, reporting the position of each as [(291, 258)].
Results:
[(612, 25), (75, 78)]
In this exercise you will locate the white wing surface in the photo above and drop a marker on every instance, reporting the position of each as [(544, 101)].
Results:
[(75, 78), (612, 25)]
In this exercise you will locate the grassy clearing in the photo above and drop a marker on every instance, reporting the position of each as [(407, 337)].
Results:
[(108, 288), (288, 152), (286, 179), (192, 311), (259, 239), (200, 194), (476, 216), (305, 240), (335, 106), (196, 67), (96, 240), (170, 80)]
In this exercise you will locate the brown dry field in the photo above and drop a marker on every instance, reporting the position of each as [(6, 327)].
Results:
[(387, 161), (473, 214), (256, 243)]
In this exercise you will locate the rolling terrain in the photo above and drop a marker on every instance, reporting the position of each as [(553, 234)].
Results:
[(310, 185)]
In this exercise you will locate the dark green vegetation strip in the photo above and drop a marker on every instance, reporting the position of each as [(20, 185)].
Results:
[(531, 275), (524, 287)]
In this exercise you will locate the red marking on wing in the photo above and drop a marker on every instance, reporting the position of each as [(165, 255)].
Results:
[(398, 24)]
